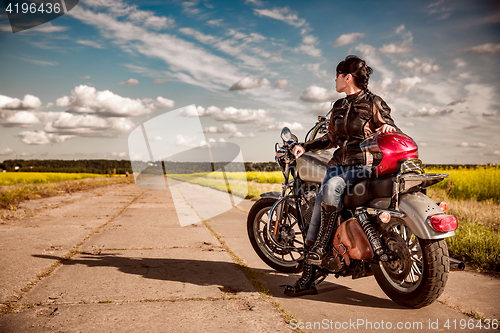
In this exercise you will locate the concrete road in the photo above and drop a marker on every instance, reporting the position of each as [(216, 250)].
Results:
[(117, 260)]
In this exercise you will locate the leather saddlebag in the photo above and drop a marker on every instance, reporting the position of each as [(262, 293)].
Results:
[(350, 241)]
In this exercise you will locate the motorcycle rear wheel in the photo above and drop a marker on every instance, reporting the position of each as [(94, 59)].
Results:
[(281, 260), (419, 275)]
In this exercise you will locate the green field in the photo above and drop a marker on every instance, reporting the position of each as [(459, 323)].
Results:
[(12, 178)]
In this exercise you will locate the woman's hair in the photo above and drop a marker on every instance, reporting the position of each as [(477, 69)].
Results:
[(357, 68)]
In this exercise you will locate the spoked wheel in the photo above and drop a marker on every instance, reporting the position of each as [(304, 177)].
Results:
[(417, 275), (287, 233)]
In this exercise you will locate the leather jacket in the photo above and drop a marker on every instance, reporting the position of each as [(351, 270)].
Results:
[(353, 119)]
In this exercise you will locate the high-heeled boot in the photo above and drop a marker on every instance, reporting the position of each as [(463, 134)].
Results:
[(305, 284), (318, 251)]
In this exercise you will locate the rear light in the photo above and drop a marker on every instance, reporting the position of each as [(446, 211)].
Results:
[(385, 217), (443, 222), (443, 205)]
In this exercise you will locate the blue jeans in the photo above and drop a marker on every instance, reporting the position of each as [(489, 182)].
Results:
[(337, 179)]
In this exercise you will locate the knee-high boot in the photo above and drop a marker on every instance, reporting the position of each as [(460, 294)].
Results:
[(318, 251), (305, 284)]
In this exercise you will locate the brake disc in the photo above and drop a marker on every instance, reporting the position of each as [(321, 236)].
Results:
[(399, 268), (271, 244)]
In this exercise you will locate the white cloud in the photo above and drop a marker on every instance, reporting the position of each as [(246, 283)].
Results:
[(440, 9), (85, 99), (90, 43), (255, 2), (295, 126), (488, 48), (18, 118), (280, 84), (315, 69), (404, 47), (185, 141), (249, 83), (120, 154), (420, 66), (238, 116), (130, 82), (86, 77), (161, 103), (187, 62), (315, 94), (346, 39), (259, 118), (406, 84), (88, 125), (283, 14), (29, 102), (44, 28), (239, 135), (42, 138), (472, 145), (159, 81), (239, 45), (425, 112), (320, 108), (308, 46), (215, 23), (42, 63), (226, 128), (393, 48), (6, 151)]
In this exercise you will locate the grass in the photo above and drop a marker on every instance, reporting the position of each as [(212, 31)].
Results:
[(274, 177), (12, 178), (249, 190), (477, 238), (480, 183), (11, 196)]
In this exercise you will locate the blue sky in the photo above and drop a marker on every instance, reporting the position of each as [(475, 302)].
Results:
[(74, 88)]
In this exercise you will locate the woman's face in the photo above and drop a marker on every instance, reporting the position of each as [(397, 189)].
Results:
[(340, 82)]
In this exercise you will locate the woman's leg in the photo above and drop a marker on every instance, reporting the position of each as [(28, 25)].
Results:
[(305, 284), (312, 232), (333, 189)]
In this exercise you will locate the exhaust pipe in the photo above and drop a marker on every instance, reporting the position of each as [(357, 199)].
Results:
[(460, 265)]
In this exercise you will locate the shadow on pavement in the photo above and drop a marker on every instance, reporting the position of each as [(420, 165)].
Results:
[(206, 273), (329, 292)]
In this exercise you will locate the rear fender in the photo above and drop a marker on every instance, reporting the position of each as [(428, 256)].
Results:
[(416, 207)]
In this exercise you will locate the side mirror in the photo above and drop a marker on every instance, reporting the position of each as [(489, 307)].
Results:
[(286, 134)]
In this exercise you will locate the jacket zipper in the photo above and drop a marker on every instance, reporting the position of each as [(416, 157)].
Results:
[(344, 145)]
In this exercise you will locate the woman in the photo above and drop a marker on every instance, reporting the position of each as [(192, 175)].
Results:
[(353, 118)]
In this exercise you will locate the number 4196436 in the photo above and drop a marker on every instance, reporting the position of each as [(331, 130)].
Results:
[(471, 324), (33, 8)]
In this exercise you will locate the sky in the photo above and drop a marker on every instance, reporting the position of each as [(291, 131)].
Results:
[(77, 86)]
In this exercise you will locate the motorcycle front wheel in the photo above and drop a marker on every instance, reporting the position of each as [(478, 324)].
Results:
[(287, 233), (419, 274)]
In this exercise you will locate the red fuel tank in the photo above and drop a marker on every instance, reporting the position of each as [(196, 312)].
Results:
[(388, 149)]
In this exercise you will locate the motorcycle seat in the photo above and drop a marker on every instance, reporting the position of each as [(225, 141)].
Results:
[(368, 189)]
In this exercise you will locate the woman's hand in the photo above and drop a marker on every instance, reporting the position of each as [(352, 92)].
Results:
[(298, 150), (386, 129)]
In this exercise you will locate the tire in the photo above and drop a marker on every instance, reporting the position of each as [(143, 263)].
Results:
[(281, 260), (421, 282)]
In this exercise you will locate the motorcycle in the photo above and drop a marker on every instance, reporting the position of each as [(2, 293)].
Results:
[(388, 227)]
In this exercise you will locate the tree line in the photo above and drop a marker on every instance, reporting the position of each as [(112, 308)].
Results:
[(124, 166)]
